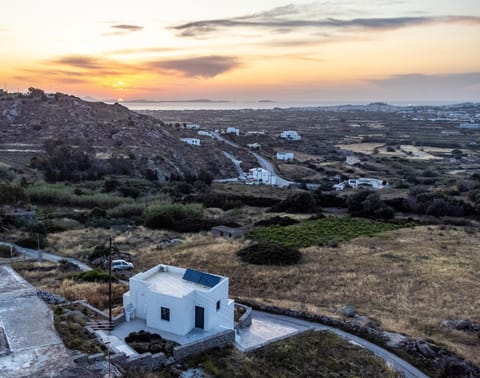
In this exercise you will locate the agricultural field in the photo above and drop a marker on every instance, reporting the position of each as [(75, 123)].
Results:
[(361, 148), (329, 230)]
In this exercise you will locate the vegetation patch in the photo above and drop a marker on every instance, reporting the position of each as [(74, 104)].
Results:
[(177, 216), (269, 253), (321, 231), (95, 275), (61, 194), (312, 354), (144, 342)]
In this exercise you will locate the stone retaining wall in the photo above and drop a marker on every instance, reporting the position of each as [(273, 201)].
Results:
[(221, 339)]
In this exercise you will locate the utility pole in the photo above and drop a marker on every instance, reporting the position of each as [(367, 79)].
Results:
[(110, 283)]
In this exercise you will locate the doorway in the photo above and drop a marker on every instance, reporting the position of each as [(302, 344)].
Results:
[(199, 317)]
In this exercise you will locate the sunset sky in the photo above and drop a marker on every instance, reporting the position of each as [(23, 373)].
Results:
[(325, 51)]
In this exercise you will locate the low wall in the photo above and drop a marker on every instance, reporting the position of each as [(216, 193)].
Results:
[(246, 319), (221, 339)]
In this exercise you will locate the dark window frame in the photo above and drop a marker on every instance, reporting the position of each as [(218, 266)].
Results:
[(218, 304), (165, 313)]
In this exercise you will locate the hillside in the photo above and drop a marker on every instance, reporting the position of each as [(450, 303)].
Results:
[(110, 132)]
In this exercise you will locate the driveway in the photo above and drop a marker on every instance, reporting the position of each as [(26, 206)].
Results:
[(267, 328)]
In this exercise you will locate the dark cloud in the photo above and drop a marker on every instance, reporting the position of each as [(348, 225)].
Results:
[(127, 28), (206, 66), (77, 64), (418, 86), (292, 18)]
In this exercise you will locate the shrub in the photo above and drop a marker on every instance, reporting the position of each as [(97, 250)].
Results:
[(95, 275), (302, 202), (101, 251), (269, 253), (280, 221), (144, 342), (175, 216)]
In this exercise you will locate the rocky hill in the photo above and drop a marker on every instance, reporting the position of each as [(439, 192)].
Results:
[(112, 132)]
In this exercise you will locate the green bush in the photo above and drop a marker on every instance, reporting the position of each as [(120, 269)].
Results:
[(269, 253), (101, 251), (95, 275), (144, 342), (176, 216), (127, 210)]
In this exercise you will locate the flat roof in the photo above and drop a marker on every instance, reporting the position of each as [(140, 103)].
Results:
[(171, 282)]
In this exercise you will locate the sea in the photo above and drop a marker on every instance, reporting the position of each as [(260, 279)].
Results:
[(220, 105)]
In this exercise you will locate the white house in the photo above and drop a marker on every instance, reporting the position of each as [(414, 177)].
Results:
[(205, 133), (372, 182), (290, 135), (254, 146), (177, 300), (339, 186), (261, 176), (191, 141), (233, 130), (285, 156), (352, 160), (192, 126)]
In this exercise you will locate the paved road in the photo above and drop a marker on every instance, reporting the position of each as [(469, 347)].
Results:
[(265, 164), (235, 162), (48, 256), (267, 328)]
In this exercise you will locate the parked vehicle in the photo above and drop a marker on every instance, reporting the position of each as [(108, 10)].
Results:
[(121, 265)]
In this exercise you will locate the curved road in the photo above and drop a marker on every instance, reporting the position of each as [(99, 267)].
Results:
[(274, 321), (48, 256), (264, 331)]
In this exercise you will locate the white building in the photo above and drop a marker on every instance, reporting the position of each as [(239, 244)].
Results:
[(254, 146), (352, 160), (192, 126), (191, 141), (178, 300), (339, 186), (372, 182), (261, 176), (285, 156), (233, 130), (205, 133), (290, 135)]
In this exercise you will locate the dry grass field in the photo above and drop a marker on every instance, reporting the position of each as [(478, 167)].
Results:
[(362, 148), (408, 280)]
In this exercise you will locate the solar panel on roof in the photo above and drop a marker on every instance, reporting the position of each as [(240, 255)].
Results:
[(209, 280), (201, 278), (192, 275)]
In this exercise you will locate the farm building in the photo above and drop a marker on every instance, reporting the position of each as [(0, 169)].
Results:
[(233, 130), (177, 300), (191, 141), (290, 135), (254, 146), (192, 126), (371, 182), (228, 232), (285, 156)]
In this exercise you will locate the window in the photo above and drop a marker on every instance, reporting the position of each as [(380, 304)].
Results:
[(165, 311), (218, 305)]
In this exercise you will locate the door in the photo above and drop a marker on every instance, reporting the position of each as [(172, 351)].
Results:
[(199, 317)]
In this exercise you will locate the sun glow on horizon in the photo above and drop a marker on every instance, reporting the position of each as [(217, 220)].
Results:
[(350, 50)]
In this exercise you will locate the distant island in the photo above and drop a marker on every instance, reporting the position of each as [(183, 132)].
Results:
[(266, 101)]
